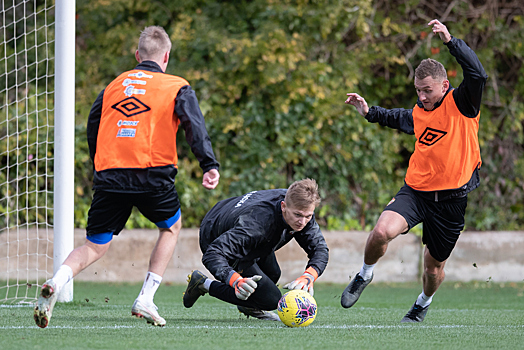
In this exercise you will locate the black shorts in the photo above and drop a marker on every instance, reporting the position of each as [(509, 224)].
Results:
[(110, 211), (442, 221)]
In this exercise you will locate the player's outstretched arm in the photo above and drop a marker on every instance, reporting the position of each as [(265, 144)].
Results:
[(441, 30), (210, 179), (359, 103)]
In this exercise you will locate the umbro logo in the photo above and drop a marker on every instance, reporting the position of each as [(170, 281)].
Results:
[(131, 106), (430, 136)]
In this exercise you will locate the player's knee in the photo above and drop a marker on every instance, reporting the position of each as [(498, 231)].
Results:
[(170, 233), (98, 250), (379, 235), (433, 272)]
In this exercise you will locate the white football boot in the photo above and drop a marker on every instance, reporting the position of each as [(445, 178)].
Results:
[(45, 304), (148, 311)]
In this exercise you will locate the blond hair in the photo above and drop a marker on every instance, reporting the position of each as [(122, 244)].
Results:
[(153, 43), (431, 67), (301, 194)]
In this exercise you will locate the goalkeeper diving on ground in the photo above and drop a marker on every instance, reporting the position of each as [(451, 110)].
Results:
[(238, 239)]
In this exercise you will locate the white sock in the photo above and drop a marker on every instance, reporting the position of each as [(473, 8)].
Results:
[(423, 300), (366, 271), (207, 284), (62, 276), (151, 284)]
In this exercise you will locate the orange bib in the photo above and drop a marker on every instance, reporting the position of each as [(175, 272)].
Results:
[(447, 149), (138, 125)]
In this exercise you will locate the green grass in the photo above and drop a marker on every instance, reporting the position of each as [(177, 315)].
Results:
[(481, 315)]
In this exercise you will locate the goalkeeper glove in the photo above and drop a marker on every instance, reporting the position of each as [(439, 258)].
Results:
[(244, 286), (304, 282)]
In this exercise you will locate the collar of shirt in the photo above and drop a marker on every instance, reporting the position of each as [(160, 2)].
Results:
[(149, 66)]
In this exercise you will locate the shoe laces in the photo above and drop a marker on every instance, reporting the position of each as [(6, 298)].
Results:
[(415, 311), (358, 281)]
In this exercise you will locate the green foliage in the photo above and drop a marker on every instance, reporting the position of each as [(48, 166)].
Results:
[(271, 77)]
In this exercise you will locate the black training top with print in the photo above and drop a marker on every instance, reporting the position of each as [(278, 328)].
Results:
[(245, 228)]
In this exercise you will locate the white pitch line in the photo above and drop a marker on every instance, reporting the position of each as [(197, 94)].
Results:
[(417, 326), (356, 326), (68, 327)]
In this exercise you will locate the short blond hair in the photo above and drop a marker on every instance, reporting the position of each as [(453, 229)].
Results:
[(301, 194), (153, 43), (431, 67)]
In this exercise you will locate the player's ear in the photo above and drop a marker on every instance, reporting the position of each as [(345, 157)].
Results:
[(166, 57), (137, 56), (283, 205), (445, 86)]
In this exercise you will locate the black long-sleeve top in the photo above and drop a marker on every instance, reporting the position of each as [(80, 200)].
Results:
[(240, 230)]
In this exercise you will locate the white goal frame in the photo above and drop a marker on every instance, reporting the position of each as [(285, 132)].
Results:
[(64, 166), (25, 242)]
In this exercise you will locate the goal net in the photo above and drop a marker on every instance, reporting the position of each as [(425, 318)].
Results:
[(27, 147)]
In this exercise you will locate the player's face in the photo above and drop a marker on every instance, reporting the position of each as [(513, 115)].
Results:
[(297, 218), (430, 91)]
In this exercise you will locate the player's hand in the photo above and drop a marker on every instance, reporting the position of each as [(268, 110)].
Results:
[(304, 282), (359, 102), (245, 286), (441, 29), (210, 179)]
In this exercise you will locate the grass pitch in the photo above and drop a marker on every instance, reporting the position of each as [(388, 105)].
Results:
[(481, 315)]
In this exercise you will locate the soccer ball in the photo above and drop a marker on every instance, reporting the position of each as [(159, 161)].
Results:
[(297, 308)]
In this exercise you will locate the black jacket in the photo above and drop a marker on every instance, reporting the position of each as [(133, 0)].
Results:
[(156, 178), (467, 98), (240, 230)]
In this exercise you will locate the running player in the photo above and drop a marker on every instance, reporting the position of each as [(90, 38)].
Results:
[(131, 131), (443, 169)]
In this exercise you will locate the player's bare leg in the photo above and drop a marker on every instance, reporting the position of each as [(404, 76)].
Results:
[(164, 248), (389, 226), (85, 255), (144, 306), (78, 260), (431, 279), (433, 273)]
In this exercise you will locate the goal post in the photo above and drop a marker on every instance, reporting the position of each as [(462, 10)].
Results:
[(37, 59), (64, 169)]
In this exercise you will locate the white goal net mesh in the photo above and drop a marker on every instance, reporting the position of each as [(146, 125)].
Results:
[(26, 147)]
